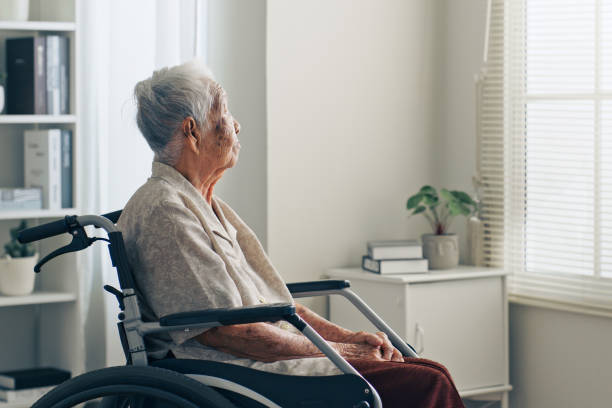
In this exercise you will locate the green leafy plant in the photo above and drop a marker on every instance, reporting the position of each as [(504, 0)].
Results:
[(440, 210), (15, 249)]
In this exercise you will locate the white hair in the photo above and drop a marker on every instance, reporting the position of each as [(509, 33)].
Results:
[(168, 97)]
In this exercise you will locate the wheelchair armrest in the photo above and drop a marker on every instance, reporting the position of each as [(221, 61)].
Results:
[(228, 316), (316, 286)]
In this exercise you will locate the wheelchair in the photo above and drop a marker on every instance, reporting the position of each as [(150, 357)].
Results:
[(172, 382)]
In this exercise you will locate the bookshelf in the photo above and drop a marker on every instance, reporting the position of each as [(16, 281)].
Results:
[(44, 328)]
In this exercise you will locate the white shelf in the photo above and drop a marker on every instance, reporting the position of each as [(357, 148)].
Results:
[(37, 26), (37, 298), (16, 119), (20, 404), (25, 214)]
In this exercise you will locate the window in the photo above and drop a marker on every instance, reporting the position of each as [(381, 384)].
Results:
[(546, 161)]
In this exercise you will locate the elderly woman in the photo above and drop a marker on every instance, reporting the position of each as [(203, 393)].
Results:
[(189, 250)]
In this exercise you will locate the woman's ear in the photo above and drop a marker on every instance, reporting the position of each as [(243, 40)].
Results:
[(192, 133)]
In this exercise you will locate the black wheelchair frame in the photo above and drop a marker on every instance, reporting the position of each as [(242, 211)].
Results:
[(181, 382)]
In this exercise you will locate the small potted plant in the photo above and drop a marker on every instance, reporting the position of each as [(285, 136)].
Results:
[(441, 248), (17, 266)]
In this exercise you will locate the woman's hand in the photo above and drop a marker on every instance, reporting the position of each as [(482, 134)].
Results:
[(389, 352), (379, 340), (339, 336), (363, 337), (359, 351)]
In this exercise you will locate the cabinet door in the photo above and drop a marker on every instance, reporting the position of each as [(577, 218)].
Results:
[(460, 324)]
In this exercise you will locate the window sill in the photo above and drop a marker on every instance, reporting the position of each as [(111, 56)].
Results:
[(569, 293), (560, 305)]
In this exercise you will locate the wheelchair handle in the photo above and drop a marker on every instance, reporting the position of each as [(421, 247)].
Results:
[(62, 226), (48, 230)]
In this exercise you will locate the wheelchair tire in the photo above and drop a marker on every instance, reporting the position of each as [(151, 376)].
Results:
[(133, 382)]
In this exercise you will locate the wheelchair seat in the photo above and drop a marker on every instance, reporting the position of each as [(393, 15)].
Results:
[(343, 390)]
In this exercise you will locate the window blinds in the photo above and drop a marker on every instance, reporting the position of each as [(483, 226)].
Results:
[(490, 139), (546, 157)]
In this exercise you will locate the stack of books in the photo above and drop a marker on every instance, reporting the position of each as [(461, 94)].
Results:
[(38, 75), (30, 384), (20, 199), (48, 165), (394, 257)]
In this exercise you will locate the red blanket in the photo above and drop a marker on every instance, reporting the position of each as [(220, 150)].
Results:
[(416, 382)]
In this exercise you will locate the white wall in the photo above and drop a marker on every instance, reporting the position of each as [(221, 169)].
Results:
[(557, 359), (237, 57), (460, 49), (349, 135)]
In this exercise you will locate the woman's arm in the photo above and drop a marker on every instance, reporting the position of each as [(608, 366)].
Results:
[(332, 332), (266, 342)]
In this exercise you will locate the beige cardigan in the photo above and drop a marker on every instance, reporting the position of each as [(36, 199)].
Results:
[(188, 255)]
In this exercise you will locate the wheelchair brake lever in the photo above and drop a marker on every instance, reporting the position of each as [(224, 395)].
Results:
[(80, 241), (118, 294)]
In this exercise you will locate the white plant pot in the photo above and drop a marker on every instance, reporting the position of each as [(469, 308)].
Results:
[(442, 251), (17, 275), (14, 10), (1, 98)]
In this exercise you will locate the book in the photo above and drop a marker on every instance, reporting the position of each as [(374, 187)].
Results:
[(58, 74), (52, 43), (24, 395), (64, 76), (20, 199), (32, 377), (394, 266), (66, 164), (42, 164), (26, 84), (406, 249)]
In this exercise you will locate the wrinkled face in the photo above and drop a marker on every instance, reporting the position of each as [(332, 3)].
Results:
[(221, 140)]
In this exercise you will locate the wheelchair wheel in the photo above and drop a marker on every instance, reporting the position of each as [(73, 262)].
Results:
[(134, 387)]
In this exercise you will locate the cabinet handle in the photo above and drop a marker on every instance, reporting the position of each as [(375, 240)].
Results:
[(419, 339)]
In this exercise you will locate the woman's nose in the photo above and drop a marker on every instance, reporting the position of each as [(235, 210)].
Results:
[(236, 126)]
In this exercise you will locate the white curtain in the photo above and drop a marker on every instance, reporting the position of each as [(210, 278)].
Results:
[(120, 43)]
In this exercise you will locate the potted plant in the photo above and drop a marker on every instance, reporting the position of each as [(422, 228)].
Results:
[(17, 266), (441, 248)]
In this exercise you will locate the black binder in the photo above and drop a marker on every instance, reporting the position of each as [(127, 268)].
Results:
[(26, 76)]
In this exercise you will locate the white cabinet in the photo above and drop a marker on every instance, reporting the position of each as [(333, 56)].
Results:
[(457, 317)]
